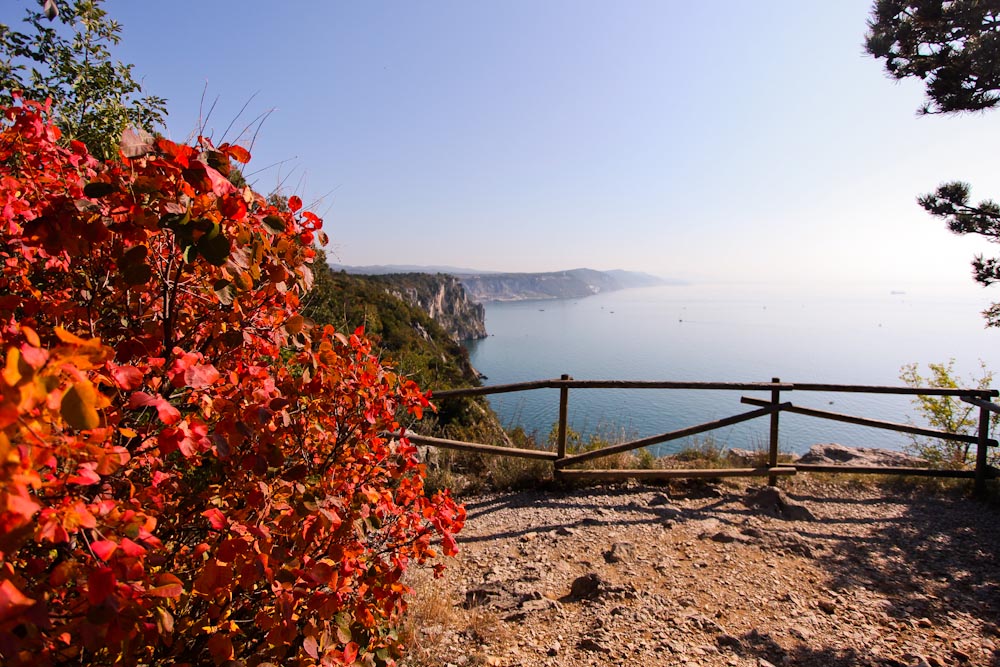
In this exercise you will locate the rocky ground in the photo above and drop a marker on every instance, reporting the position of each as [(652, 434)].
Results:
[(823, 574)]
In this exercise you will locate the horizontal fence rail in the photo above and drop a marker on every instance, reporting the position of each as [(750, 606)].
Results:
[(667, 437), (772, 408), (874, 423)]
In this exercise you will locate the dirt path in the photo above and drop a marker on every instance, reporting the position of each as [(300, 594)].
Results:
[(828, 575)]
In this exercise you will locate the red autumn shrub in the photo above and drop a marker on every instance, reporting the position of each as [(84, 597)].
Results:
[(191, 472)]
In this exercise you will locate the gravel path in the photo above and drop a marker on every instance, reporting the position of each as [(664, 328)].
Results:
[(825, 575)]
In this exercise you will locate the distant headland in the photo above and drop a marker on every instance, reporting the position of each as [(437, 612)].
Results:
[(484, 286)]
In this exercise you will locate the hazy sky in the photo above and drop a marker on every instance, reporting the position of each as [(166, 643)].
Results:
[(729, 140)]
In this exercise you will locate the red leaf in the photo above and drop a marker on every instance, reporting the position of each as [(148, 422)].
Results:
[(321, 572), (220, 184), (199, 377), (230, 549), (130, 548), (168, 414), (294, 203), (310, 647), (213, 577), (216, 518), (18, 501), (449, 544), (221, 648), (127, 378), (100, 584), (85, 475), (12, 601), (350, 653), (103, 549), (233, 207)]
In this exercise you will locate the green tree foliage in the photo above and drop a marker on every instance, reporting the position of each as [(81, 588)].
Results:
[(954, 48), (63, 52), (946, 413)]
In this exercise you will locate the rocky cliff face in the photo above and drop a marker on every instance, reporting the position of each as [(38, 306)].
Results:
[(443, 298)]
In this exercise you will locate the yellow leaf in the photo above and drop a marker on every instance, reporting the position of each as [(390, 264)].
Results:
[(77, 406), (67, 337), (12, 371)]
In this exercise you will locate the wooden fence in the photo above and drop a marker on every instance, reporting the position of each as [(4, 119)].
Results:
[(563, 461)]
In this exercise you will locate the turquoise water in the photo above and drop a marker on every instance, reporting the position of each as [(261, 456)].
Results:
[(728, 334)]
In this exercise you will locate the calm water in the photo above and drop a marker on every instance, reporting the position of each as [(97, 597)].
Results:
[(729, 334)]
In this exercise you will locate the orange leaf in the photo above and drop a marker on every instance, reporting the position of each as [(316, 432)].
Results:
[(16, 367), (67, 337), (238, 153), (31, 336), (167, 586), (294, 324)]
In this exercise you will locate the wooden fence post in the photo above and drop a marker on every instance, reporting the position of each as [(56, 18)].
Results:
[(563, 411), (981, 449), (772, 454)]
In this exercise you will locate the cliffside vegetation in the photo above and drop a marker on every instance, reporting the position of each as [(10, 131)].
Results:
[(418, 346)]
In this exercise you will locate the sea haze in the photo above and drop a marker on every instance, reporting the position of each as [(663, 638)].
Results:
[(728, 333)]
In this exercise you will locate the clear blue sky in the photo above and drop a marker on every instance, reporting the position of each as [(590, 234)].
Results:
[(702, 140)]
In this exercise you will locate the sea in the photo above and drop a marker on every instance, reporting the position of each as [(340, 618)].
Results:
[(859, 335)]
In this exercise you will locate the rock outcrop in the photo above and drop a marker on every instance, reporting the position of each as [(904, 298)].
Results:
[(834, 454), (443, 298)]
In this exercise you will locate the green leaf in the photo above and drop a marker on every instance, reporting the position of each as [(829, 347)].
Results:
[(214, 249), (214, 230), (274, 224), (175, 221)]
